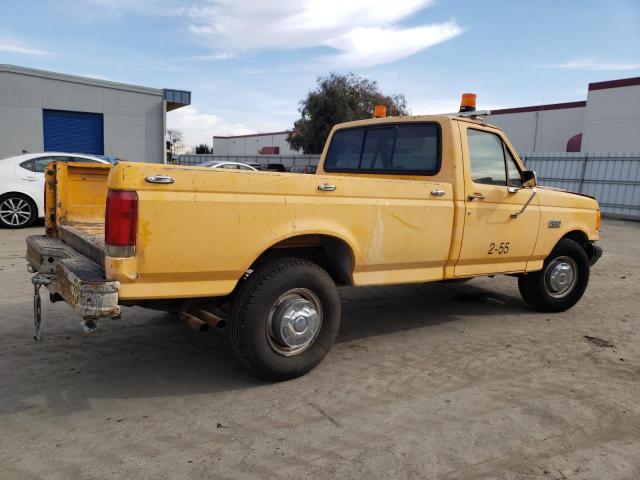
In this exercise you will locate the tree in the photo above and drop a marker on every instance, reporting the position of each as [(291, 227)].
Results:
[(203, 148), (336, 99), (175, 140)]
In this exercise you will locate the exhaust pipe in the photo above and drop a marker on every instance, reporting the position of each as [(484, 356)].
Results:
[(193, 322), (209, 318)]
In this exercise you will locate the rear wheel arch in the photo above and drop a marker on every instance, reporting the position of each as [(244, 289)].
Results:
[(331, 253)]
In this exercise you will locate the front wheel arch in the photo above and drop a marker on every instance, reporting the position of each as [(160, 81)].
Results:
[(582, 239)]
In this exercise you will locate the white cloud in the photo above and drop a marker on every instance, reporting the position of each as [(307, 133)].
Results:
[(252, 71), (362, 32), (593, 64), (12, 46), (375, 45), (200, 127), (213, 56)]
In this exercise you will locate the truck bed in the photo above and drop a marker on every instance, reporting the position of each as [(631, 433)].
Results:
[(86, 238)]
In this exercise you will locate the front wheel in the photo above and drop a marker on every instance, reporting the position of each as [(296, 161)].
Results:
[(285, 318), (562, 280)]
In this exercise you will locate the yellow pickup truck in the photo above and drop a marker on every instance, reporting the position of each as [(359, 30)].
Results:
[(394, 200)]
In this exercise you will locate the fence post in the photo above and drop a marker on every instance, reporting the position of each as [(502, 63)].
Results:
[(583, 172)]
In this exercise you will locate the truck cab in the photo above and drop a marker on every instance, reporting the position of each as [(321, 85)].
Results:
[(394, 200)]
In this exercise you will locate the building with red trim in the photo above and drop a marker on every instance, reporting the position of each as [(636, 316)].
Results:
[(608, 121)]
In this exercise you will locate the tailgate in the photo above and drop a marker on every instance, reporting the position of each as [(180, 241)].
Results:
[(75, 198), (71, 255)]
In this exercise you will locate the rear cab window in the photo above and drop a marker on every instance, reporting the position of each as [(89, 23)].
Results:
[(405, 148)]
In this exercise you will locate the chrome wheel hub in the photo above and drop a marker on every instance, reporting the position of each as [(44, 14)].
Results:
[(294, 322), (15, 211), (561, 277)]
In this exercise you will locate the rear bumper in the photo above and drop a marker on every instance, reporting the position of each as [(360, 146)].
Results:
[(78, 280)]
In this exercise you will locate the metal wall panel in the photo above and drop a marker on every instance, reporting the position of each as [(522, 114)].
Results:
[(613, 178)]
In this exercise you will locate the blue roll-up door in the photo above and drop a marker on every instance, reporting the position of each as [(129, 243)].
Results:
[(77, 132)]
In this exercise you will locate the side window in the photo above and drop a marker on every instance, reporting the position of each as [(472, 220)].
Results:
[(229, 166), (416, 148), (487, 158), (28, 165), (42, 162), (513, 174), (344, 152)]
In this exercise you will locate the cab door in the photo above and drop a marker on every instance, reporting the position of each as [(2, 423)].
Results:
[(501, 216)]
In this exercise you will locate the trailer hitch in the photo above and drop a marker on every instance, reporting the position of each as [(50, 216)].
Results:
[(38, 280)]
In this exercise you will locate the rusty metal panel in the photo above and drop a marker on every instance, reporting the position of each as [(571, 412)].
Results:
[(77, 279)]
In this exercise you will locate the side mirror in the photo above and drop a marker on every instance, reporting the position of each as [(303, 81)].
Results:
[(529, 178)]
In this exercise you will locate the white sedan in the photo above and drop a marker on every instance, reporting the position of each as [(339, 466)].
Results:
[(22, 185)]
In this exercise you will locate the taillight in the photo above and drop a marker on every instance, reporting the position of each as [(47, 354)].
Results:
[(121, 223)]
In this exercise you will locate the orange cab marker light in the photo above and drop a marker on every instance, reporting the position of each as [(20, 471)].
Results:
[(468, 102), (379, 111)]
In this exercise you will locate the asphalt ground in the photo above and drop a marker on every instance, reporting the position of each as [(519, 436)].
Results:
[(446, 381)]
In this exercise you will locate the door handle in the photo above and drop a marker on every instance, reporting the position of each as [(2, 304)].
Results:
[(479, 196), (513, 189), (326, 187), (437, 192), (159, 179)]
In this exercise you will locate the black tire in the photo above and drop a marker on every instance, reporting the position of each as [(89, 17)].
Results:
[(26, 207), (253, 309), (536, 289)]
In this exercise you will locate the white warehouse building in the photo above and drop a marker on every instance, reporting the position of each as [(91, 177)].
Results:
[(607, 122), (47, 111), (272, 143)]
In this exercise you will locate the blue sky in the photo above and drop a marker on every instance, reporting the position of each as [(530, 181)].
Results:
[(249, 62)]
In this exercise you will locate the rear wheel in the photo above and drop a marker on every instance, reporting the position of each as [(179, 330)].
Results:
[(562, 280), (285, 318), (17, 211)]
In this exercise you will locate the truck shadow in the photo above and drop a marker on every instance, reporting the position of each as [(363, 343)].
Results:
[(149, 354)]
